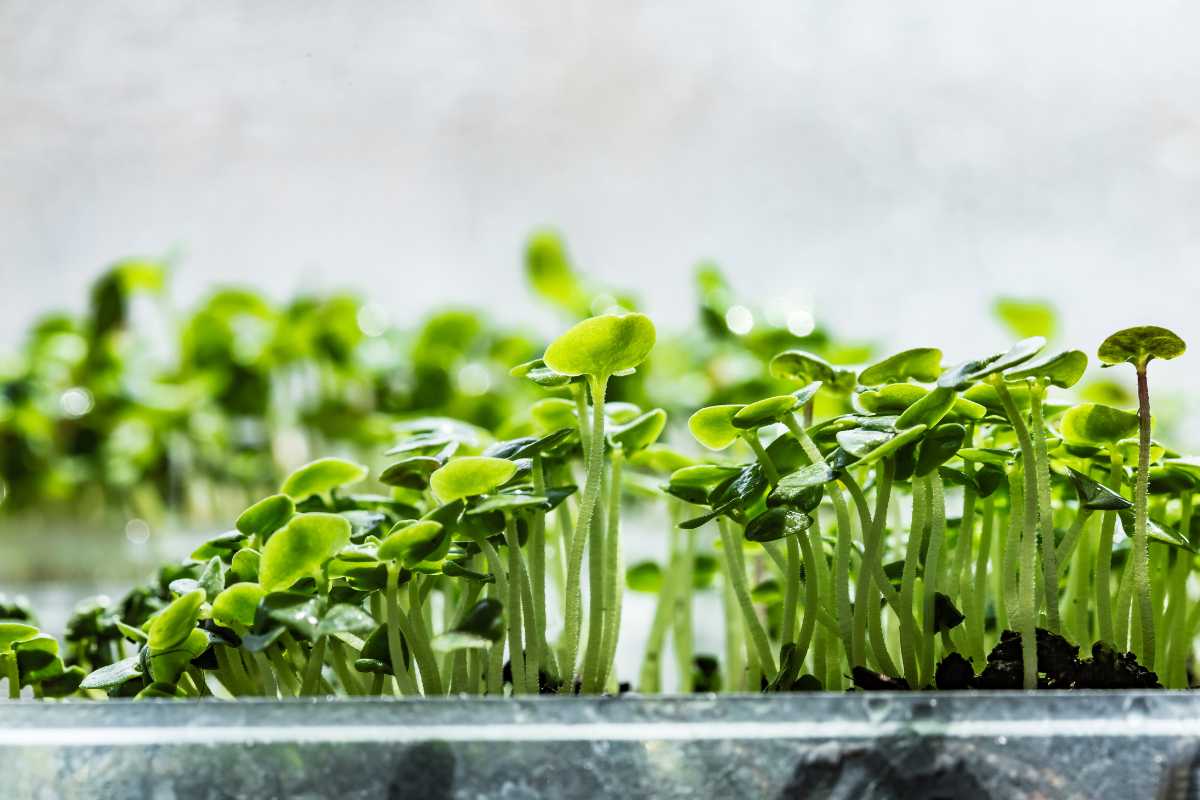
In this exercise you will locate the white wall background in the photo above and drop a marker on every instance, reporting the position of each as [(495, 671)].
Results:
[(901, 162)]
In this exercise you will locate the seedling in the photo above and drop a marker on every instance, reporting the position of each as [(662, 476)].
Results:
[(949, 528)]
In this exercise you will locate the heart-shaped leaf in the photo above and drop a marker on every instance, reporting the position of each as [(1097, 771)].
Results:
[(321, 477), (602, 346), (938, 446), (173, 624), (1058, 369), (929, 410), (539, 373), (640, 432), (776, 523), (345, 618), (801, 366), (300, 548), (1093, 423), (410, 543), (1140, 344), (803, 488), (713, 426), (470, 476), (975, 370), (236, 605), (860, 441), (266, 516), (920, 364), (410, 473), (893, 445), (764, 412), (480, 628)]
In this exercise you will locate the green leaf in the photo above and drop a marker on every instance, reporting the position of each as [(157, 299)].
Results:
[(602, 346), (1138, 345), (509, 503), (1154, 531), (345, 618), (1025, 318), (969, 372), (410, 543), (713, 426), (236, 605), (645, 576), (481, 627), (929, 410), (245, 565), (411, 473), (860, 441), (776, 523), (539, 373), (660, 459), (553, 413), (300, 548), (470, 476), (322, 476), (452, 569), (803, 488), (891, 446), (988, 455), (801, 366), (64, 684), (173, 624), (640, 432), (806, 393), (299, 613), (1092, 423), (37, 659), (920, 364), (938, 446), (1058, 369), (1095, 495), (113, 675), (764, 412), (223, 545), (266, 516), (12, 632)]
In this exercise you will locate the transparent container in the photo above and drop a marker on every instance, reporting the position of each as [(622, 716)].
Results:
[(953, 745)]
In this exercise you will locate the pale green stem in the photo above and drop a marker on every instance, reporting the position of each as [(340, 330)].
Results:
[(400, 625), (596, 592), (682, 630), (979, 595), (909, 644), (613, 574), (736, 570), (1027, 602), (516, 653), (866, 595), (812, 598), (1045, 511), (312, 670), (937, 534), (587, 509), (650, 674), (537, 569)]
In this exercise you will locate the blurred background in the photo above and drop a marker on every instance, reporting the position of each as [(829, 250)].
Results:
[(867, 176)]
